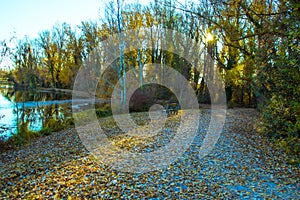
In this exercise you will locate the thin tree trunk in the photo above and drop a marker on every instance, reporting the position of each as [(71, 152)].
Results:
[(140, 69)]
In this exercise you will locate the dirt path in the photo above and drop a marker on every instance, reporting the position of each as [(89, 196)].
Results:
[(242, 165)]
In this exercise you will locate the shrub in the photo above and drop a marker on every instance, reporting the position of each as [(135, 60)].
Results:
[(140, 101), (103, 111), (280, 120)]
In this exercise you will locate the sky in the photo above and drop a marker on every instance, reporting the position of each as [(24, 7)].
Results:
[(29, 17)]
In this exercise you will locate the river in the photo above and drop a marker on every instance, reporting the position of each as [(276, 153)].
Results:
[(31, 109)]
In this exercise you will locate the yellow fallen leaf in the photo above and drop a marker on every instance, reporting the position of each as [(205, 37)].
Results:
[(56, 196)]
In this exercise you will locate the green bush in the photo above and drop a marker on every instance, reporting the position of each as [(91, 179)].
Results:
[(280, 120), (103, 111), (69, 122), (46, 131), (231, 104), (55, 125), (24, 135)]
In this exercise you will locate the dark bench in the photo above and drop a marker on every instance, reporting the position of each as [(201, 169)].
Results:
[(172, 108)]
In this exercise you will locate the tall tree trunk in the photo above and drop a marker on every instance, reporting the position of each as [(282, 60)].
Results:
[(122, 69), (140, 68), (228, 91)]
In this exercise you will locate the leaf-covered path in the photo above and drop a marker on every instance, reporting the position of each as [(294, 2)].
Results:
[(242, 165)]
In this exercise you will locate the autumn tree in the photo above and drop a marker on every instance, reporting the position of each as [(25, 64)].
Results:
[(26, 61)]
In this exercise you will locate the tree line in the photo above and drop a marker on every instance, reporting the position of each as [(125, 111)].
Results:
[(254, 45)]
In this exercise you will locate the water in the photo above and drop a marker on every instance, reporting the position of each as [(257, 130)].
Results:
[(32, 110)]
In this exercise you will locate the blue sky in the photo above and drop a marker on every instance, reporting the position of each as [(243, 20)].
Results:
[(29, 17)]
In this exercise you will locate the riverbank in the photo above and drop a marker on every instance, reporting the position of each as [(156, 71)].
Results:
[(33, 112), (243, 164), (55, 90)]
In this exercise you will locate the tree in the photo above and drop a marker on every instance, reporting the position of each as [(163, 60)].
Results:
[(278, 78), (49, 51), (26, 63), (114, 15)]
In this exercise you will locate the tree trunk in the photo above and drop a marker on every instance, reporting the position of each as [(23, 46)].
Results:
[(228, 91)]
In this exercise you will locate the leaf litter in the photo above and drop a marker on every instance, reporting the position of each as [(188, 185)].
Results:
[(243, 164)]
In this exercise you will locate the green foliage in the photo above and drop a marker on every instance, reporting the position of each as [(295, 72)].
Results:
[(231, 104), (54, 125), (104, 111), (69, 122), (46, 131), (280, 120), (24, 135), (279, 84)]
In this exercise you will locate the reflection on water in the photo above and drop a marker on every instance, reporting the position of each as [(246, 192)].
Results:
[(31, 110)]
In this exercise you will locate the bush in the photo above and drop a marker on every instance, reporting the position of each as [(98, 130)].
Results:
[(46, 131), (231, 104), (280, 120), (103, 111), (140, 101), (55, 125)]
